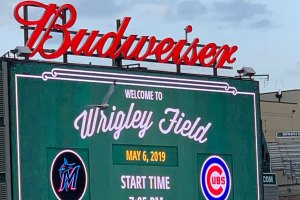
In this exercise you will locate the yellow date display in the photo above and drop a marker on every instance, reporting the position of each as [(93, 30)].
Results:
[(145, 155)]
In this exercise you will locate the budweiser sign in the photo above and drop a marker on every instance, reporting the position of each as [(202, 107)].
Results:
[(166, 50)]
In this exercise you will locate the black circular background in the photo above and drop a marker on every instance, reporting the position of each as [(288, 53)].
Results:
[(81, 179)]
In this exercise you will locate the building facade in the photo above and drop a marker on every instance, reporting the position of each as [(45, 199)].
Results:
[(280, 112)]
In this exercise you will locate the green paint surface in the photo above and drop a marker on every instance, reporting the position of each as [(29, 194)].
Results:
[(47, 110)]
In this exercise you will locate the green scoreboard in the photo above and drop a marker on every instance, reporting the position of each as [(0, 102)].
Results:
[(82, 132)]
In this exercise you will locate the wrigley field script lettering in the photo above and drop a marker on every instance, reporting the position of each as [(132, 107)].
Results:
[(96, 121)]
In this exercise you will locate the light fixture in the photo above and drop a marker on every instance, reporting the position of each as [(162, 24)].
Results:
[(22, 51), (246, 71)]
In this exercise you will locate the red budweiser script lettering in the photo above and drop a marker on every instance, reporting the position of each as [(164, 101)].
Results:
[(146, 47)]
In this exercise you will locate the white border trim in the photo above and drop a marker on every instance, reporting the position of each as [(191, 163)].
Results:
[(18, 139), (53, 76)]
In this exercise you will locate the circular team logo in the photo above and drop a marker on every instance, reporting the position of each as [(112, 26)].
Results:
[(215, 179), (68, 176)]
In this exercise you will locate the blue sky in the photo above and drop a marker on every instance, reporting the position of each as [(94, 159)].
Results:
[(266, 32)]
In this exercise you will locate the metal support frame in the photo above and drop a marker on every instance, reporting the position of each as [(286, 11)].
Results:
[(118, 62), (64, 21), (7, 130), (26, 31)]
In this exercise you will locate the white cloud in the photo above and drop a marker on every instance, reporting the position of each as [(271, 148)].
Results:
[(156, 9), (294, 71), (240, 10), (262, 24)]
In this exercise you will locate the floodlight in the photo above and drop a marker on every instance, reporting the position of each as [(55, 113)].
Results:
[(246, 71), (22, 51)]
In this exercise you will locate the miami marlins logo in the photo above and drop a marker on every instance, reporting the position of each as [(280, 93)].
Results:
[(68, 176)]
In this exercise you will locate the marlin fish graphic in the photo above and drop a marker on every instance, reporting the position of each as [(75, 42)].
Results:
[(68, 174)]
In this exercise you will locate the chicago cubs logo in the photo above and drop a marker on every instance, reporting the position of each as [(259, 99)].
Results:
[(68, 176), (215, 179)]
